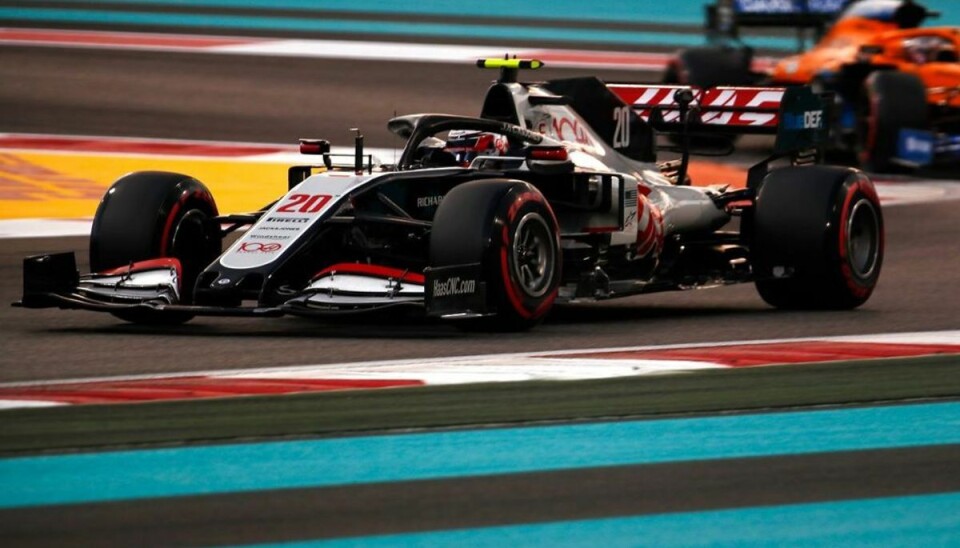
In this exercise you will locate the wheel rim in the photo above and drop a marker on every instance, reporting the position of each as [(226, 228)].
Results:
[(533, 255), (863, 238)]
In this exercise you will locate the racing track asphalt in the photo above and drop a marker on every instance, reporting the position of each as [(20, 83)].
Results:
[(259, 99)]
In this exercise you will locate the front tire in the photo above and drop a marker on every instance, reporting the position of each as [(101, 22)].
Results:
[(152, 214), (510, 229), (892, 101), (818, 238)]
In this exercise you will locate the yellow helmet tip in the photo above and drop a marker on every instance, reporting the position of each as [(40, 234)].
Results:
[(530, 64)]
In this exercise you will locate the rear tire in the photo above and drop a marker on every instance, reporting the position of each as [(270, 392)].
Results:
[(707, 67), (892, 101), (711, 66), (818, 238), (510, 229), (152, 214)]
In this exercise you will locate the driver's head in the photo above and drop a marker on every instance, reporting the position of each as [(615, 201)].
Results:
[(930, 49), (465, 145), (909, 15)]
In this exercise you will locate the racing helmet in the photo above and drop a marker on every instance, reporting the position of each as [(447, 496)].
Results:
[(910, 15), (431, 153), (465, 145), (929, 49)]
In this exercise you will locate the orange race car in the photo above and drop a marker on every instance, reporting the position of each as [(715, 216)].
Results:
[(896, 85)]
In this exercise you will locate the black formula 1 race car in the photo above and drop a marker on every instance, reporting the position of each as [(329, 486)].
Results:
[(553, 194)]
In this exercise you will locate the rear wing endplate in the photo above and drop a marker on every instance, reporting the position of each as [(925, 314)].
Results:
[(795, 115)]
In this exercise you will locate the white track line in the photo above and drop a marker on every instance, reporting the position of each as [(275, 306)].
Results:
[(528, 365), (553, 366), (44, 228), (358, 50)]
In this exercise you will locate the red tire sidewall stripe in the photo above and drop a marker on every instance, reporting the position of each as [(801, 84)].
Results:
[(513, 291), (863, 186), (165, 236), (185, 196)]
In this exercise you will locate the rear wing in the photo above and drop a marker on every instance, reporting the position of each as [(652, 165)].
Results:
[(795, 115), (725, 17)]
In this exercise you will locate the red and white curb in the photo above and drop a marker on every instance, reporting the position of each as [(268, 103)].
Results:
[(531, 366)]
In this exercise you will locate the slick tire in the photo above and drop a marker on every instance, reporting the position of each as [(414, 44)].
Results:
[(817, 238), (509, 228), (711, 66), (891, 101), (707, 67), (151, 214)]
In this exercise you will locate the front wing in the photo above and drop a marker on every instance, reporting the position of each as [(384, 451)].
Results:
[(53, 281)]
